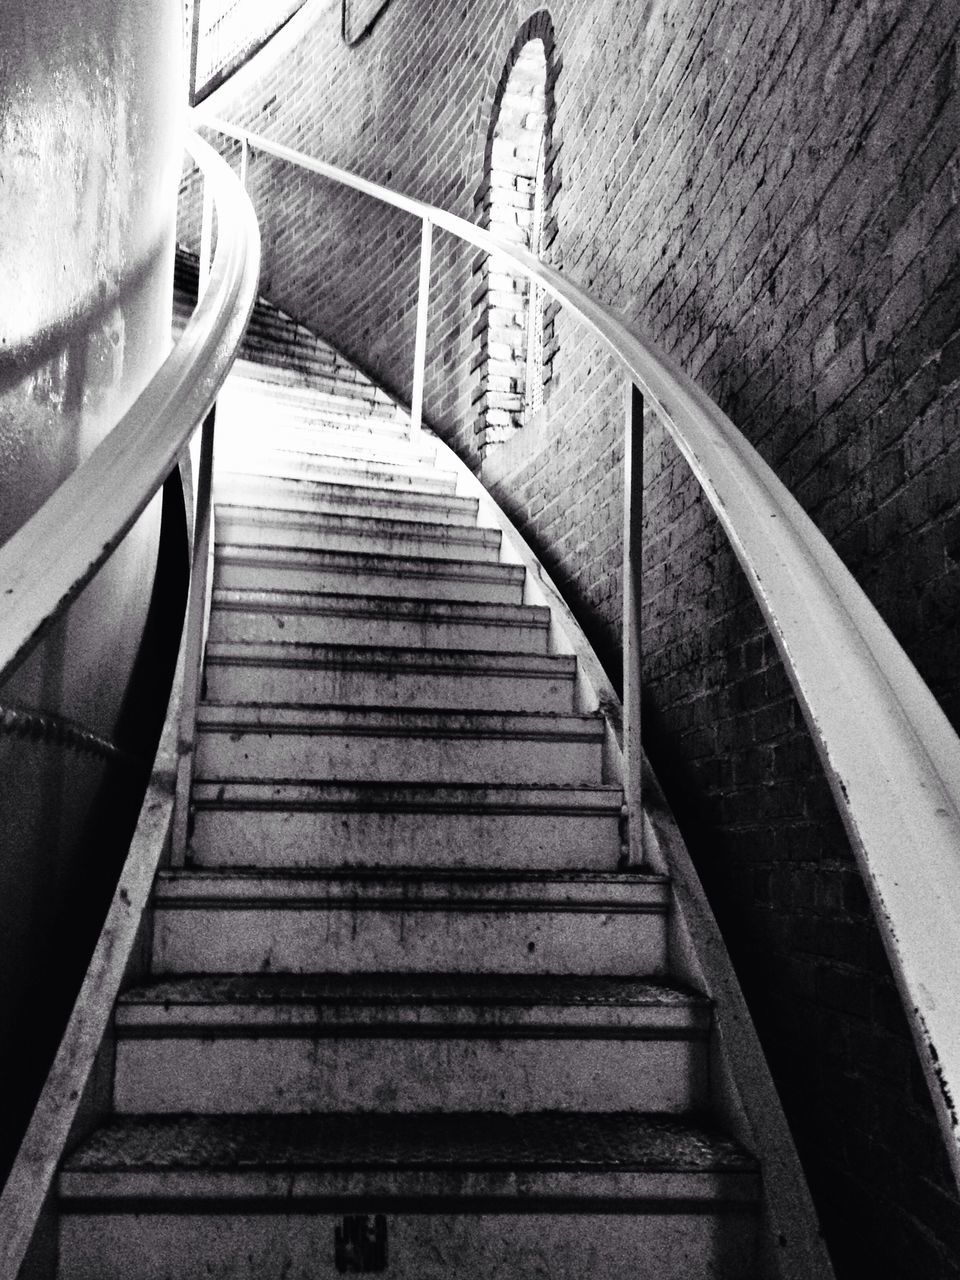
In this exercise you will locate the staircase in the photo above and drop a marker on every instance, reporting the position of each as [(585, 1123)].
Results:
[(405, 1015)]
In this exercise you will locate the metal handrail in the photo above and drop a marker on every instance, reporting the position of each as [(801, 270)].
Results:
[(52, 557), (889, 752)]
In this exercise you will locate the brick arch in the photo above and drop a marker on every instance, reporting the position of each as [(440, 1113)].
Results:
[(514, 331)]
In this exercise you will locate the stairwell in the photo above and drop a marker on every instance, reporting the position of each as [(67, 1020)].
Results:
[(405, 1013)]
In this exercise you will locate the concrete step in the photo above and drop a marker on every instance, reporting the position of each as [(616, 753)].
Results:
[(311, 374), (410, 1042), (382, 744), (350, 439), (250, 393), (257, 422), (317, 496), (268, 369), (275, 380), (410, 920), (369, 675), (619, 1195), (315, 368), (334, 824), (335, 465), (316, 617), (353, 573), (269, 527)]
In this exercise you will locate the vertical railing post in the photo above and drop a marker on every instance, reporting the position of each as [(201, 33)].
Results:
[(632, 525), (420, 347), (198, 613), (201, 585)]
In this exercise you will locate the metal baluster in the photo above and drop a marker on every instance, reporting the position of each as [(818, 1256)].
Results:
[(632, 549), (201, 580), (420, 348)]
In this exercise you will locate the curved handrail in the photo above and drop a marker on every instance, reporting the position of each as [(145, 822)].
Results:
[(890, 754), (52, 557)]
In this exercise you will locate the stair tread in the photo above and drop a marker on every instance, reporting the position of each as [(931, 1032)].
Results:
[(626, 1141), (331, 989)]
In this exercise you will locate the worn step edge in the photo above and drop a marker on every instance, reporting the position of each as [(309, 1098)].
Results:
[(375, 526), (344, 454), (433, 1005), (248, 379), (376, 889), (357, 563), (335, 408), (336, 468), (327, 440), (228, 482), (414, 609), (397, 722), (413, 797), (390, 659)]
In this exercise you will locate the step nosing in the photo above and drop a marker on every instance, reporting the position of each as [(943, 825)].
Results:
[(426, 529), (234, 794), (474, 1002), (369, 562), (578, 1143), (427, 659), (412, 609), (310, 724)]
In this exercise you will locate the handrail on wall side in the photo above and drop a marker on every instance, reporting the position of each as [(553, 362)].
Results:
[(889, 752), (42, 568)]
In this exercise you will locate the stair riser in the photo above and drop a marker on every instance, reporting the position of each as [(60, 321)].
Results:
[(302, 684), (641, 1244), (241, 625), (320, 537), (395, 758), (264, 576), (312, 839), (408, 1074), (401, 939), (300, 498)]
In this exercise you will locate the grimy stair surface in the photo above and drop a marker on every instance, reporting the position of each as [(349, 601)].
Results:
[(406, 1012)]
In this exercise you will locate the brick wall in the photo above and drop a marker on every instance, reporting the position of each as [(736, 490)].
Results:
[(772, 192)]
